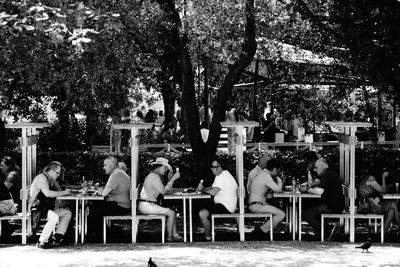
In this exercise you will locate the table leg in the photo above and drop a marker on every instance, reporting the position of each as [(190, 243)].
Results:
[(184, 219), (76, 221), (190, 220), (83, 221), (294, 218), (299, 218)]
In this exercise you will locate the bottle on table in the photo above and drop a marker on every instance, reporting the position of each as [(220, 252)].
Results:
[(293, 185)]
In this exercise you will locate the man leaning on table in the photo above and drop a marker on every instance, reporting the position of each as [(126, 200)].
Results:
[(224, 192), (42, 201), (265, 183), (117, 199), (332, 199)]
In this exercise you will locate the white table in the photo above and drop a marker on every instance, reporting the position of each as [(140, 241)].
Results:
[(80, 212), (391, 196), (187, 196), (296, 197)]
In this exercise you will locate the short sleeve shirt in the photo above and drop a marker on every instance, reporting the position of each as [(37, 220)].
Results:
[(227, 196), (120, 186), (152, 187)]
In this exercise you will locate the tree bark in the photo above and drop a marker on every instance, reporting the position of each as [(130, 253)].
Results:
[(204, 154)]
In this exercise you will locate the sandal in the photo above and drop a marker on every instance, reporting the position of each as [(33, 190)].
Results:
[(175, 238)]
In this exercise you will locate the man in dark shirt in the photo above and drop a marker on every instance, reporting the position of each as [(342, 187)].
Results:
[(330, 189)]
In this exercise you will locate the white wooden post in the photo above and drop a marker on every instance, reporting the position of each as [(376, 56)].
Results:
[(28, 154), (239, 142), (348, 159), (134, 127)]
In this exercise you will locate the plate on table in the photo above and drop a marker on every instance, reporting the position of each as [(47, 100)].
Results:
[(75, 191), (288, 187)]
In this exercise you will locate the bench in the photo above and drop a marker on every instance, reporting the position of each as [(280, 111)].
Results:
[(345, 216), (135, 220), (237, 215), (108, 219), (19, 216)]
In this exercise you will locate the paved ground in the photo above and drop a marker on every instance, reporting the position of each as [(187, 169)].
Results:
[(278, 253)]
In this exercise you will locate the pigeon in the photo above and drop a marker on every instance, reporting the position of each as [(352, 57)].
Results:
[(366, 245), (150, 263)]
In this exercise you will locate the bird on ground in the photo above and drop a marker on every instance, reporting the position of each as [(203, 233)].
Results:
[(366, 245), (150, 263)]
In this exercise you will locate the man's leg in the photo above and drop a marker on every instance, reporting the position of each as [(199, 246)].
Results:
[(95, 219), (313, 215), (276, 219), (65, 216), (52, 220), (204, 217)]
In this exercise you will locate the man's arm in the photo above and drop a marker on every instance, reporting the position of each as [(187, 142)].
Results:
[(272, 185), (316, 190), (211, 190)]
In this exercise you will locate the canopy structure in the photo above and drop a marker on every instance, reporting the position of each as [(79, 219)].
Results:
[(28, 141), (347, 150), (239, 143)]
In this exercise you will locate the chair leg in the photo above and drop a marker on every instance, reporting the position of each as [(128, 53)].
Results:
[(135, 230), (382, 230), (163, 230), (322, 228), (271, 231), (212, 229), (105, 231)]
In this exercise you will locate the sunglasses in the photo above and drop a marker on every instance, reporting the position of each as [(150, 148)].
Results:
[(214, 167)]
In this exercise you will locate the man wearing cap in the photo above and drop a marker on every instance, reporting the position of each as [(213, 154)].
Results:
[(224, 192), (153, 186), (117, 198), (42, 199)]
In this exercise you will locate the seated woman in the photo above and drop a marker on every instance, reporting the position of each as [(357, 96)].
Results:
[(152, 187), (12, 177), (370, 190)]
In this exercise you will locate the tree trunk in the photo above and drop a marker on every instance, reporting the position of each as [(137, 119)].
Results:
[(204, 155)]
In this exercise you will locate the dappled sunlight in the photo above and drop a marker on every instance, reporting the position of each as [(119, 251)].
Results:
[(205, 254)]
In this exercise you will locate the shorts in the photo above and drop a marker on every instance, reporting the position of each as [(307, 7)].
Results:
[(152, 208)]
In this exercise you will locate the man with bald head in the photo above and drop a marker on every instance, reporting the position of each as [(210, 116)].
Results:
[(117, 198), (262, 163), (330, 189)]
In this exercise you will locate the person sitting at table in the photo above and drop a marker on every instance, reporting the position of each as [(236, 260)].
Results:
[(332, 199), (265, 182), (152, 187), (371, 192), (262, 162), (42, 202), (12, 177), (116, 195), (310, 157), (224, 192)]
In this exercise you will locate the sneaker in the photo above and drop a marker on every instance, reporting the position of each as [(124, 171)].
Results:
[(42, 245), (175, 238), (57, 239)]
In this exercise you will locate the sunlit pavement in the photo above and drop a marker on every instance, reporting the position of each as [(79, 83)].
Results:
[(280, 253)]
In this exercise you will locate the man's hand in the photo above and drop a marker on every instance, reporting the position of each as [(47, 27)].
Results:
[(67, 192), (100, 191)]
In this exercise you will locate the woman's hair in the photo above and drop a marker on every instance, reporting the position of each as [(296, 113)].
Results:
[(11, 164)]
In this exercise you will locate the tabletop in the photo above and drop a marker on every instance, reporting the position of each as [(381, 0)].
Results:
[(183, 193), (391, 196), (296, 194)]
